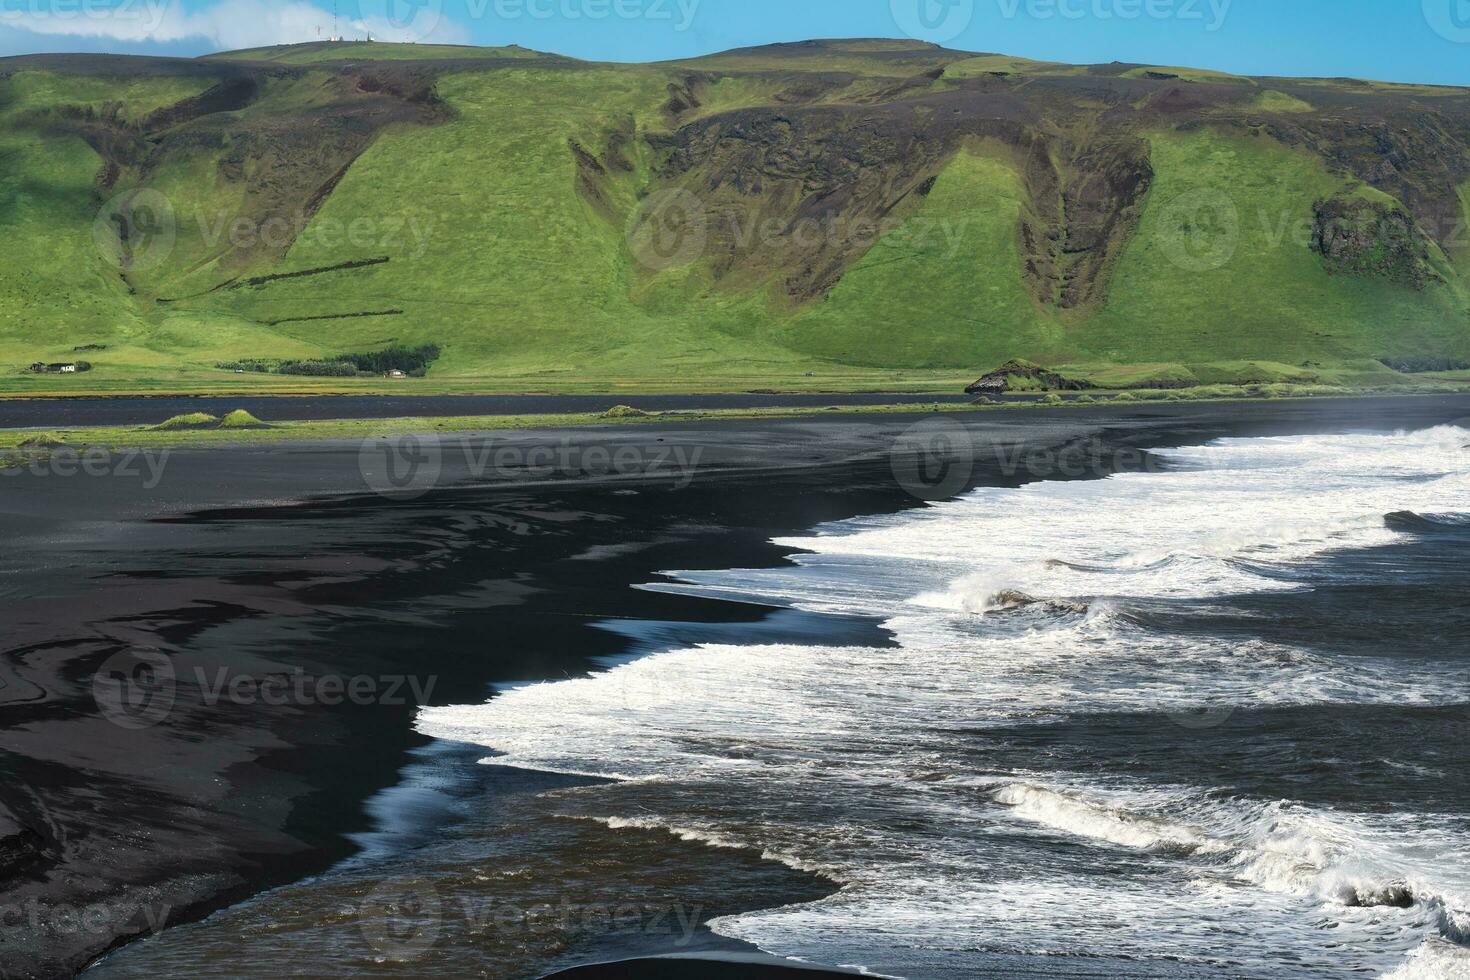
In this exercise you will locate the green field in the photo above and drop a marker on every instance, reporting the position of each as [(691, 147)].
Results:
[(474, 220), (21, 447)]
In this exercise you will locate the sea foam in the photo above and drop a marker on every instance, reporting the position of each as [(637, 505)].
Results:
[(908, 773)]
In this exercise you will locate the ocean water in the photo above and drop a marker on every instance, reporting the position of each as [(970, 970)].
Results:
[(1210, 721)]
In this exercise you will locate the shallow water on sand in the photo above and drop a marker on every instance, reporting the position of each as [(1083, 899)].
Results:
[(1210, 721)]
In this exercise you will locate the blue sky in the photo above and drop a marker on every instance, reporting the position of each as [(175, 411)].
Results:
[(1401, 40)]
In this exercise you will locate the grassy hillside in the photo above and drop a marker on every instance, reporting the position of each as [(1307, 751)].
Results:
[(837, 214)]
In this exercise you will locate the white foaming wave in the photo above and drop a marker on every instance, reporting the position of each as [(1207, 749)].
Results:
[(1076, 814), (775, 747), (1435, 960), (1160, 534), (765, 738), (1344, 861), (706, 837), (710, 838)]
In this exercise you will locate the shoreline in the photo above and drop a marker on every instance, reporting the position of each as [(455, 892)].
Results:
[(306, 771), (732, 966), (97, 413), (321, 432)]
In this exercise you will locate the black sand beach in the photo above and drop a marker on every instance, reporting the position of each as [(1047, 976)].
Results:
[(208, 673)]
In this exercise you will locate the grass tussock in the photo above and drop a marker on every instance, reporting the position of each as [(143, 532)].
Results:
[(182, 423), (241, 419), (625, 412), (44, 440)]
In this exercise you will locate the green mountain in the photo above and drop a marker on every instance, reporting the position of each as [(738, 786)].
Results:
[(825, 213)]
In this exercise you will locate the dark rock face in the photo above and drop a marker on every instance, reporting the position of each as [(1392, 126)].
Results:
[(796, 195), (843, 144), (287, 162), (1083, 214), (1368, 238), (1001, 379), (852, 160)]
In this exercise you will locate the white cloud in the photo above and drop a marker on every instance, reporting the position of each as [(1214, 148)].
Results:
[(229, 24)]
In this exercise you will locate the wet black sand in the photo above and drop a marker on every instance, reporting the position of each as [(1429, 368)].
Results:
[(112, 831)]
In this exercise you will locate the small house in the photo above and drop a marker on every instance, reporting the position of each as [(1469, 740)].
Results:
[(68, 369), (396, 374)]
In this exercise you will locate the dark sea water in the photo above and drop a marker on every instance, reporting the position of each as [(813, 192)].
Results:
[(1205, 722)]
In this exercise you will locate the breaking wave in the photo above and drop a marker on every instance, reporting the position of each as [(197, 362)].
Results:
[(1036, 765)]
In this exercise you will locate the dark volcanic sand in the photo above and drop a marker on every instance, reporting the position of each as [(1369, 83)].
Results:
[(111, 830)]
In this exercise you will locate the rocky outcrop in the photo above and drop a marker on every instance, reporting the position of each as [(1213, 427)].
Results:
[(1369, 238), (1006, 377)]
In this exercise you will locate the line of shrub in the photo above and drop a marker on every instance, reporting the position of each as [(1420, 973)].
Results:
[(412, 361)]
